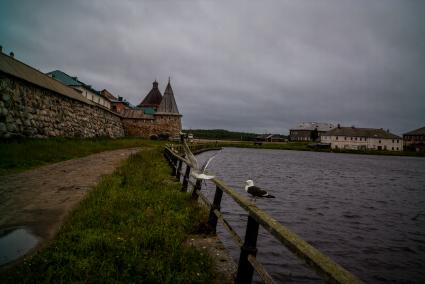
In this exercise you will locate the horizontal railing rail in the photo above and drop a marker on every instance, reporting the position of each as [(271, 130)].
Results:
[(326, 268)]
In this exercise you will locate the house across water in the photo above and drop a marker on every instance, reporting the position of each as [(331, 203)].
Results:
[(353, 138), (414, 140)]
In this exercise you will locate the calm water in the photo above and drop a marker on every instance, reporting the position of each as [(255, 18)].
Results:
[(360, 210), (14, 243)]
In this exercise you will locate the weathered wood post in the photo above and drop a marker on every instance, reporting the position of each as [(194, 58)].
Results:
[(166, 155), (212, 218), (174, 166), (197, 187), (245, 269), (179, 169), (186, 178), (169, 157)]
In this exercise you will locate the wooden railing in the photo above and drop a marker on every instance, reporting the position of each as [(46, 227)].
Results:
[(327, 269)]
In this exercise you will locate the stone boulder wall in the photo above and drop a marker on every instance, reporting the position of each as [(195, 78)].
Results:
[(27, 110), (170, 124)]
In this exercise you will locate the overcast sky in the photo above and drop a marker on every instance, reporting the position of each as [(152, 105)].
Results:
[(261, 66)]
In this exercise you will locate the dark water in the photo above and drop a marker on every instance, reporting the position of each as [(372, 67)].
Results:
[(360, 210), (14, 243)]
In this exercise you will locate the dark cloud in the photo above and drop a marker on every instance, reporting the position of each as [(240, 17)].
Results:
[(241, 65)]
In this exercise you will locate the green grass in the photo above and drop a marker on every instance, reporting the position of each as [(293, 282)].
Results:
[(130, 228), (24, 154), (303, 146)]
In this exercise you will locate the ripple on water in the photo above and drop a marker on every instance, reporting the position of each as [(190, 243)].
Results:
[(359, 210)]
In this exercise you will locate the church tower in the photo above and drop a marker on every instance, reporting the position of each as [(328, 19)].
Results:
[(152, 99), (168, 117), (168, 104)]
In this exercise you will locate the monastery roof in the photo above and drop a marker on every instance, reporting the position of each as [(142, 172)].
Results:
[(419, 131), (70, 80), (153, 98), (65, 78), (18, 69), (168, 104), (361, 132), (106, 94), (313, 125)]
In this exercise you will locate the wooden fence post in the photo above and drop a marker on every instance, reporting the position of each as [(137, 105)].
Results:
[(179, 169), (175, 161), (197, 187), (245, 269), (212, 218), (186, 178)]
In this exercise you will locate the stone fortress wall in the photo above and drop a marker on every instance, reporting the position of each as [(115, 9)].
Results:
[(33, 104), (170, 124), (27, 110)]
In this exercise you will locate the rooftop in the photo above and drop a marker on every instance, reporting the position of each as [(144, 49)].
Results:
[(18, 69), (64, 78), (419, 131), (71, 81), (168, 104), (313, 125), (153, 98), (361, 132)]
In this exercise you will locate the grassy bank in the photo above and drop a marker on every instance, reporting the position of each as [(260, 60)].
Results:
[(130, 228), (23, 154), (303, 146)]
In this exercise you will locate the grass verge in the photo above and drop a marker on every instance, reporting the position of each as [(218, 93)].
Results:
[(22, 154), (130, 228), (303, 146)]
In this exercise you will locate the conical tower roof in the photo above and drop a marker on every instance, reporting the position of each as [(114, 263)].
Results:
[(168, 104), (153, 98)]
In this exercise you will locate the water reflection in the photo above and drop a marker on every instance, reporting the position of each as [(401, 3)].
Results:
[(15, 243)]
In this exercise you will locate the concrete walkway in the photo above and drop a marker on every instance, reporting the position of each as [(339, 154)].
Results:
[(40, 199)]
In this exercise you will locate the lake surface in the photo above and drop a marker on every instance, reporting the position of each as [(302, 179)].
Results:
[(362, 211)]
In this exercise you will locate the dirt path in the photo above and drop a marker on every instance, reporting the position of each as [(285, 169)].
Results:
[(40, 199)]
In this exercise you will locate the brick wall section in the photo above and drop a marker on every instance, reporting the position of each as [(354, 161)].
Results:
[(170, 124), (30, 111)]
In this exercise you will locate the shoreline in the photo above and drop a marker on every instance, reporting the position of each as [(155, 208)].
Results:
[(302, 146)]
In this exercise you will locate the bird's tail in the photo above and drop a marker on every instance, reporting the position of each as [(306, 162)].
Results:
[(270, 196)]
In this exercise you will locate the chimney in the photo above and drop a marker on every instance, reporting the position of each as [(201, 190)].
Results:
[(339, 125), (12, 54)]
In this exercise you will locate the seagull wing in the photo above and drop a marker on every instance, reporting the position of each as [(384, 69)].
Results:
[(256, 191), (190, 156), (198, 175), (205, 165)]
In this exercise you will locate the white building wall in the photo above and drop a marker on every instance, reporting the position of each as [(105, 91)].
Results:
[(385, 144), (363, 143), (94, 97)]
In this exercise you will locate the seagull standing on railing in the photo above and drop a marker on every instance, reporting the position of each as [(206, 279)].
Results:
[(256, 191), (196, 172)]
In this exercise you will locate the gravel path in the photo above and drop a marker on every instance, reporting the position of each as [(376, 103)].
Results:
[(40, 199)]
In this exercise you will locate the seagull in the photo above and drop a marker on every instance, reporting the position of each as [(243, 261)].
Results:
[(256, 191), (196, 172)]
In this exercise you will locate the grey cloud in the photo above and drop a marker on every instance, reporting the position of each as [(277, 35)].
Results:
[(240, 65)]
